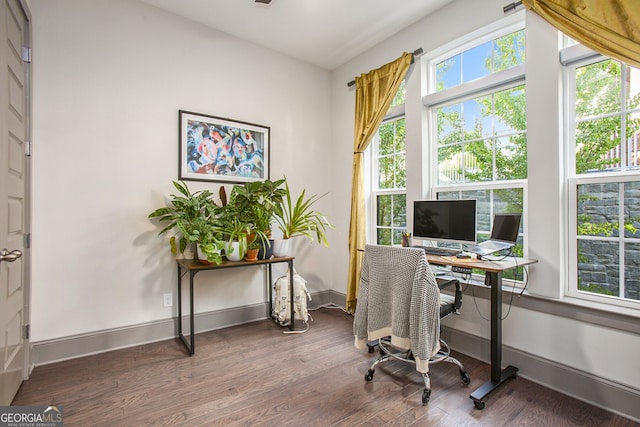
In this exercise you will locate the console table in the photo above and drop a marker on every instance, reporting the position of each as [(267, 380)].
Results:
[(193, 267), (493, 278)]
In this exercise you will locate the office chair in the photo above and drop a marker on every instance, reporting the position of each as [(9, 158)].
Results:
[(399, 309)]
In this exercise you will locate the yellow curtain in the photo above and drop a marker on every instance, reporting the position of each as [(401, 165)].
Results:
[(610, 27), (374, 93)]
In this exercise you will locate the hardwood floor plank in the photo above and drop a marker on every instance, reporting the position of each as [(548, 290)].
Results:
[(255, 375)]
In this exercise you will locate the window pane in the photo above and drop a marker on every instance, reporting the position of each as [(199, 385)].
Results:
[(598, 267), (632, 136), (392, 218), (632, 271), (508, 51), (632, 210), (450, 124), (478, 165), (511, 157), (384, 236), (480, 61), (598, 88), (598, 144), (385, 172), (477, 118), (384, 211), (489, 203), (399, 212), (449, 73), (400, 171), (385, 146), (633, 87), (477, 62), (509, 111), (399, 136), (508, 200), (399, 99), (481, 160), (598, 209), (450, 164)]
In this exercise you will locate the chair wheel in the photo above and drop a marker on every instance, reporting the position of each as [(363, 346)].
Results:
[(426, 395), (466, 379), (369, 375), (478, 404)]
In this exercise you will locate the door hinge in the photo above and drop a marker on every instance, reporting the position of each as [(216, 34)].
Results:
[(27, 332), (27, 240), (26, 54), (28, 147)]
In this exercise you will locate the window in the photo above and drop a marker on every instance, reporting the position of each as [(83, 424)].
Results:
[(479, 141), (603, 128), (389, 195)]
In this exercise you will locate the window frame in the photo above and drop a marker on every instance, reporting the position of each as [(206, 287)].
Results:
[(572, 58), (492, 83)]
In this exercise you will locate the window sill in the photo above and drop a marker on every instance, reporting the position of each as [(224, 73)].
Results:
[(606, 315)]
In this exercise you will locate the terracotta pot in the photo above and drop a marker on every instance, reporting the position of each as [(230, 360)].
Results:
[(252, 254)]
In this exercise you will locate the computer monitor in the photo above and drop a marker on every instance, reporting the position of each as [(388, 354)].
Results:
[(452, 221)]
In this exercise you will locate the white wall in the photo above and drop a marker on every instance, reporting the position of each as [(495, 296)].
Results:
[(109, 78), (580, 345)]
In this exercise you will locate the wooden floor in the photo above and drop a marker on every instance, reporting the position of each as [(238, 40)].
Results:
[(254, 375)]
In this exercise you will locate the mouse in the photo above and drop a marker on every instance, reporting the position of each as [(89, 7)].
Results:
[(461, 255)]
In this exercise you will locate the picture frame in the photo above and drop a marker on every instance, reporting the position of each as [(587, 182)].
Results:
[(219, 149)]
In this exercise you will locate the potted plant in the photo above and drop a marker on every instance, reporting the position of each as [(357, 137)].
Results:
[(299, 219), (235, 233), (187, 216), (255, 203)]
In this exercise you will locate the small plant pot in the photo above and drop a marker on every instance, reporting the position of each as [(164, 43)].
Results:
[(266, 252), (282, 247), (232, 251), (252, 254)]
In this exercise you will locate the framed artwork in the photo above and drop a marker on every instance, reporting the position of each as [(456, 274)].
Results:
[(218, 149)]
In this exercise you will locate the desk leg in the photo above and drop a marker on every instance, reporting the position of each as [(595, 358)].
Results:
[(291, 326), (498, 375), (179, 302), (188, 345), (269, 285)]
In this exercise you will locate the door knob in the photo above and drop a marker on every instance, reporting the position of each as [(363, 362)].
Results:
[(5, 255)]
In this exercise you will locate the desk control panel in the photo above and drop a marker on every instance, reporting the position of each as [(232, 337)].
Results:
[(463, 270)]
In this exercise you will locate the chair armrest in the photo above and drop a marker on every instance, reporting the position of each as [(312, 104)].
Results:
[(445, 282)]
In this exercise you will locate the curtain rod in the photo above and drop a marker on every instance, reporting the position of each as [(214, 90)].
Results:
[(511, 6), (416, 52)]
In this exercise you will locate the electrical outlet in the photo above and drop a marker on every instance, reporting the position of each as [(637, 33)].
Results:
[(167, 300)]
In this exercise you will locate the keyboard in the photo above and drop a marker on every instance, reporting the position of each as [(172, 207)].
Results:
[(436, 250)]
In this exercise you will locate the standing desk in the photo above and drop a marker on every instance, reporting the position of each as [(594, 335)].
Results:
[(193, 267), (493, 277)]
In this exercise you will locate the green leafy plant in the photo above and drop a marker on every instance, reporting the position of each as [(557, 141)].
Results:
[(299, 219), (256, 201), (188, 216)]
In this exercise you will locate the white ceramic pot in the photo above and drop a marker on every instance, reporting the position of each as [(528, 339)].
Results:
[(282, 247), (232, 251), (202, 257)]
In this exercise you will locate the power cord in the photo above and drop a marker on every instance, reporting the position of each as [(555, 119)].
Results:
[(513, 288)]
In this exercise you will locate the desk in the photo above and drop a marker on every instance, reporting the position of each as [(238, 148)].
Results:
[(493, 277), (193, 267)]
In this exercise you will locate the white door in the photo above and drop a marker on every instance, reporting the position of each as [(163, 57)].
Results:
[(14, 206)]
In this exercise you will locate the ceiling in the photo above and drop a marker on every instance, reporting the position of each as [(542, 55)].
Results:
[(326, 33)]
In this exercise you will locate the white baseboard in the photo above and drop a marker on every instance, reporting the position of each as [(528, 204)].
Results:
[(613, 397)]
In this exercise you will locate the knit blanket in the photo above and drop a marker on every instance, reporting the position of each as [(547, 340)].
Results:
[(398, 298)]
